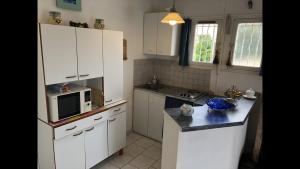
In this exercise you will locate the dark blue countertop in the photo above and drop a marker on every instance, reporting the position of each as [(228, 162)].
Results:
[(202, 119)]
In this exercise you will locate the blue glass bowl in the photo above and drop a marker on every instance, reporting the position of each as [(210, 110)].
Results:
[(219, 104)]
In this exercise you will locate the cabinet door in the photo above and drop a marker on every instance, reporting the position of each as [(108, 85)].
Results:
[(113, 66), (116, 133), (89, 52), (155, 123), (140, 114), (150, 33), (96, 144), (69, 152), (59, 53), (164, 36)]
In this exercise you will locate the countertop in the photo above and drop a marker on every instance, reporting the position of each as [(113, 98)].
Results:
[(202, 119)]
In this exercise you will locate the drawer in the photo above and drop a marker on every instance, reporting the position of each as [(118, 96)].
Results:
[(73, 127), (98, 118), (117, 109)]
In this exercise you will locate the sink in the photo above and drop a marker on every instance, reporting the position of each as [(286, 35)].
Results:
[(154, 87)]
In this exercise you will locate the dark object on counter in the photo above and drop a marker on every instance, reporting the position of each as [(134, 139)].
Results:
[(82, 25), (216, 59), (250, 4), (172, 102)]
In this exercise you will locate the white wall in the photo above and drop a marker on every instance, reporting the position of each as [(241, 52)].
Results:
[(123, 15), (223, 79)]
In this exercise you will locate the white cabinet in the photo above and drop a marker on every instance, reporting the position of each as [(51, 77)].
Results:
[(69, 152), (160, 38), (96, 144), (116, 132), (89, 52), (59, 53), (148, 114), (140, 114), (155, 121), (113, 66), (70, 53), (150, 32)]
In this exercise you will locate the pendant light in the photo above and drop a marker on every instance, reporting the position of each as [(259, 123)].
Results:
[(173, 17)]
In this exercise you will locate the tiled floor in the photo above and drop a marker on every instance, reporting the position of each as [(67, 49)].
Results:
[(140, 153)]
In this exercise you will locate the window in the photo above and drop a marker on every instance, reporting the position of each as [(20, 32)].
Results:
[(248, 45), (205, 38)]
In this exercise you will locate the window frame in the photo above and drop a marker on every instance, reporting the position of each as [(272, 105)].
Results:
[(219, 40), (233, 33)]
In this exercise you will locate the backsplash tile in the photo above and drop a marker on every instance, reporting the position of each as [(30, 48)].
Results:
[(170, 73)]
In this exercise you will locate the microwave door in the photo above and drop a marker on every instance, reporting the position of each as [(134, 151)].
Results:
[(68, 105)]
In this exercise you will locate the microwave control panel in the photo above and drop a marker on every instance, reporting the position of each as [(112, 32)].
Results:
[(87, 101)]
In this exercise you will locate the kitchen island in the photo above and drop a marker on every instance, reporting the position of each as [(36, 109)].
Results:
[(205, 140)]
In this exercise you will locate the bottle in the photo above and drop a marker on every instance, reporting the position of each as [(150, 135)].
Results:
[(154, 80)]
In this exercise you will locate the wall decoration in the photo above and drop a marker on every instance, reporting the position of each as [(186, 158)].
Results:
[(74, 5), (125, 49)]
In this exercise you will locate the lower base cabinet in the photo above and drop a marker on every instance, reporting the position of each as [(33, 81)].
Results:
[(70, 148), (95, 144), (93, 140)]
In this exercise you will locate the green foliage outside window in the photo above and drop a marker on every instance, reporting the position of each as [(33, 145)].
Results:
[(203, 49)]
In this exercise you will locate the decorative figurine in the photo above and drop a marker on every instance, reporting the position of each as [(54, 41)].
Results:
[(54, 18), (99, 24)]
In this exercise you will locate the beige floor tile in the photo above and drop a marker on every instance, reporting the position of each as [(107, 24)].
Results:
[(142, 162), (132, 137), (144, 142), (157, 144), (153, 153), (128, 167), (157, 164), (151, 168), (133, 150), (105, 165), (121, 160)]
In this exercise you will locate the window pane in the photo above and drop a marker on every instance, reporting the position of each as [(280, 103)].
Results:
[(204, 43), (248, 45)]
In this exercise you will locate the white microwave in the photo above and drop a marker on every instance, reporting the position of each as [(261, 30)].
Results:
[(62, 105)]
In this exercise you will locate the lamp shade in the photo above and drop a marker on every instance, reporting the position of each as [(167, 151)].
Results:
[(172, 18)]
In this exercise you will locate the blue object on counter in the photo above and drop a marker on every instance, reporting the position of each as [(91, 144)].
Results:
[(219, 104)]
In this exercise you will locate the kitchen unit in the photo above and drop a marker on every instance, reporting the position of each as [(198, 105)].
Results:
[(86, 134), (207, 140), (159, 38), (82, 143)]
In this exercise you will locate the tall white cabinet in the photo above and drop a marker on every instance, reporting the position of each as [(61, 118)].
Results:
[(159, 38), (70, 53), (148, 113), (113, 66)]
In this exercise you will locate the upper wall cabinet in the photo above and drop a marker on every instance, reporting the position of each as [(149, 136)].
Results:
[(71, 53), (89, 51), (160, 38), (113, 66)]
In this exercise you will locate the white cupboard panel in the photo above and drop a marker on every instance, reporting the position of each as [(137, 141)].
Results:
[(89, 52), (116, 133), (140, 114), (155, 124), (150, 33), (59, 53), (113, 66)]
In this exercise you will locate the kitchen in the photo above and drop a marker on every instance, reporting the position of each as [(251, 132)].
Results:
[(129, 89)]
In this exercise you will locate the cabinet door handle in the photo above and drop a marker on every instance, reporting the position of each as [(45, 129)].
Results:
[(78, 134), (71, 128), (98, 118), (90, 129), (112, 120), (69, 77), (117, 110), (108, 100), (84, 75)]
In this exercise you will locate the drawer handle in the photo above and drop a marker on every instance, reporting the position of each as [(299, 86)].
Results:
[(84, 75), (98, 118), (117, 109), (108, 100), (78, 134), (68, 77), (90, 129), (112, 120), (71, 128)]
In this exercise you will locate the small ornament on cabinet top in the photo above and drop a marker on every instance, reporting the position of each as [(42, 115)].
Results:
[(54, 18), (99, 24)]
